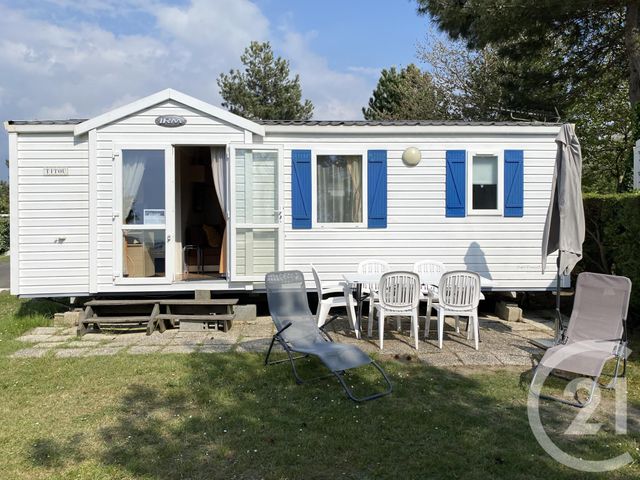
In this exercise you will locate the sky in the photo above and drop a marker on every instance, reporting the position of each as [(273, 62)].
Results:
[(77, 59)]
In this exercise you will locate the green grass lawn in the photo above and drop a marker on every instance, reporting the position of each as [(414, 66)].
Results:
[(228, 416)]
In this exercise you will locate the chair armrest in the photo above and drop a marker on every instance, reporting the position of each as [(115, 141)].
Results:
[(333, 289), (283, 328)]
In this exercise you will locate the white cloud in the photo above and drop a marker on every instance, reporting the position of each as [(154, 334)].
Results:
[(83, 68)]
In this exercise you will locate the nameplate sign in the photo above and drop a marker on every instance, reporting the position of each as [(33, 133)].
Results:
[(170, 121), (56, 171)]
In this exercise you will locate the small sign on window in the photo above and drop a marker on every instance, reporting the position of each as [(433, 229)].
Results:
[(153, 216)]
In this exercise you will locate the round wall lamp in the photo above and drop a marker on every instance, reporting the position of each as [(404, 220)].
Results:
[(411, 156)]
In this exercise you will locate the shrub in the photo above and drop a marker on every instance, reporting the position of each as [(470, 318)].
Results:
[(612, 240), (4, 235)]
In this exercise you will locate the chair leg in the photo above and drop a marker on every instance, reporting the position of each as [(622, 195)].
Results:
[(440, 328), (414, 325), (323, 312), (476, 333), (351, 313), (427, 321), (457, 323), (350, 394), (577, 403), (381, 327), (370, 322)]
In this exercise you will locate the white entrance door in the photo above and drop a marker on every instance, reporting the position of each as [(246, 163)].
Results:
[(143, 214), (256, 233)]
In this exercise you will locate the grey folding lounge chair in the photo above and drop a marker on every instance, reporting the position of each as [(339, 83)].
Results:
[(297, 332), (596, 333)]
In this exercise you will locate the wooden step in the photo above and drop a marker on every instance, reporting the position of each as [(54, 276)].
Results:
[(118, 320), (196, 318), (110, 303), (213, 301)]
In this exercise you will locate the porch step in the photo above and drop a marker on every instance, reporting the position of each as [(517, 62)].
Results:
[(214, 301), (197, 323), (113, 303), (118, 320)]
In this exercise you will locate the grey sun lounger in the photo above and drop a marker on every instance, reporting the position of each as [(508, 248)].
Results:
[(298, 333), (596, 333)]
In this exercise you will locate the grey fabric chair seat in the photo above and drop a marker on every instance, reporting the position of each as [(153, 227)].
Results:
[(297, 332), (584, 362), (336, 356)]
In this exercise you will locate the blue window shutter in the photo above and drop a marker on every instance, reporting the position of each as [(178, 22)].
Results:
[(513, 183), (377, 188), (456, 183), (301, 188)]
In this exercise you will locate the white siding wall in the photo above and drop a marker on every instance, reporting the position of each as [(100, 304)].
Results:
[(507, 250), (52, 215), (141, 128)]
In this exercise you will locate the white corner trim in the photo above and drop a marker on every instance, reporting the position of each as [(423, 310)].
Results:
[(163, 96), (14, 246), (93, 217)]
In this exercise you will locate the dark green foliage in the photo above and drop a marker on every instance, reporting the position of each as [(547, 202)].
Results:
[(406, 94), (263, 89), (4, 235), (611, 244), (4, 197)]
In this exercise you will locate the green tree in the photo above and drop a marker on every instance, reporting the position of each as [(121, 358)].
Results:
[(406, 94), (482, 85), (263, 90), (603, 118), (586, 37)]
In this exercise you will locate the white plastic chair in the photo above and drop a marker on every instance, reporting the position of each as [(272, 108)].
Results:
[(459, 295), (326, 304), (372, 266), (399, 295), (430, 272)]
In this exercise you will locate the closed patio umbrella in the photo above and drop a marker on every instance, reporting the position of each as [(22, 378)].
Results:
[(564, 226)]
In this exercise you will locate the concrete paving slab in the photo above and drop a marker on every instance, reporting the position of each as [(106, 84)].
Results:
[(78, 344), (29, 353), (99, 351), (511, 359), (98, 337), (37, 338), (47, 345), (71, 352), (59, 338), (478, 358), (44, 331), (220, 339)]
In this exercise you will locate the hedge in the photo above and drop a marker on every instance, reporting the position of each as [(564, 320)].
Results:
[(612, 240), (4, 235)]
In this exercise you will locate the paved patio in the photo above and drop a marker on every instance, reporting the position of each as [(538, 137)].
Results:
[(501, 343)]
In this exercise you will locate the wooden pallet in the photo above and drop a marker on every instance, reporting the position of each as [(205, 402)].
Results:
[(157, 314)]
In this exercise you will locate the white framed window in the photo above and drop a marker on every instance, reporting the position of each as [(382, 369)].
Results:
[(485, 183), (339, 186)]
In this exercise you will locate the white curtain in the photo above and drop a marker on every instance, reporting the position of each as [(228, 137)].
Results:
[(219, 169), (132, 173), (339, 189)]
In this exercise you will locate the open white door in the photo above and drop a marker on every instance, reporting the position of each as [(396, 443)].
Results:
[(256, 233)]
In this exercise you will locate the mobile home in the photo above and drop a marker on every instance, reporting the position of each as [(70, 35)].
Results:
[(172, 194)]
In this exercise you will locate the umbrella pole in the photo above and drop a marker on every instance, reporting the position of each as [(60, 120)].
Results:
[(559, 334)]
